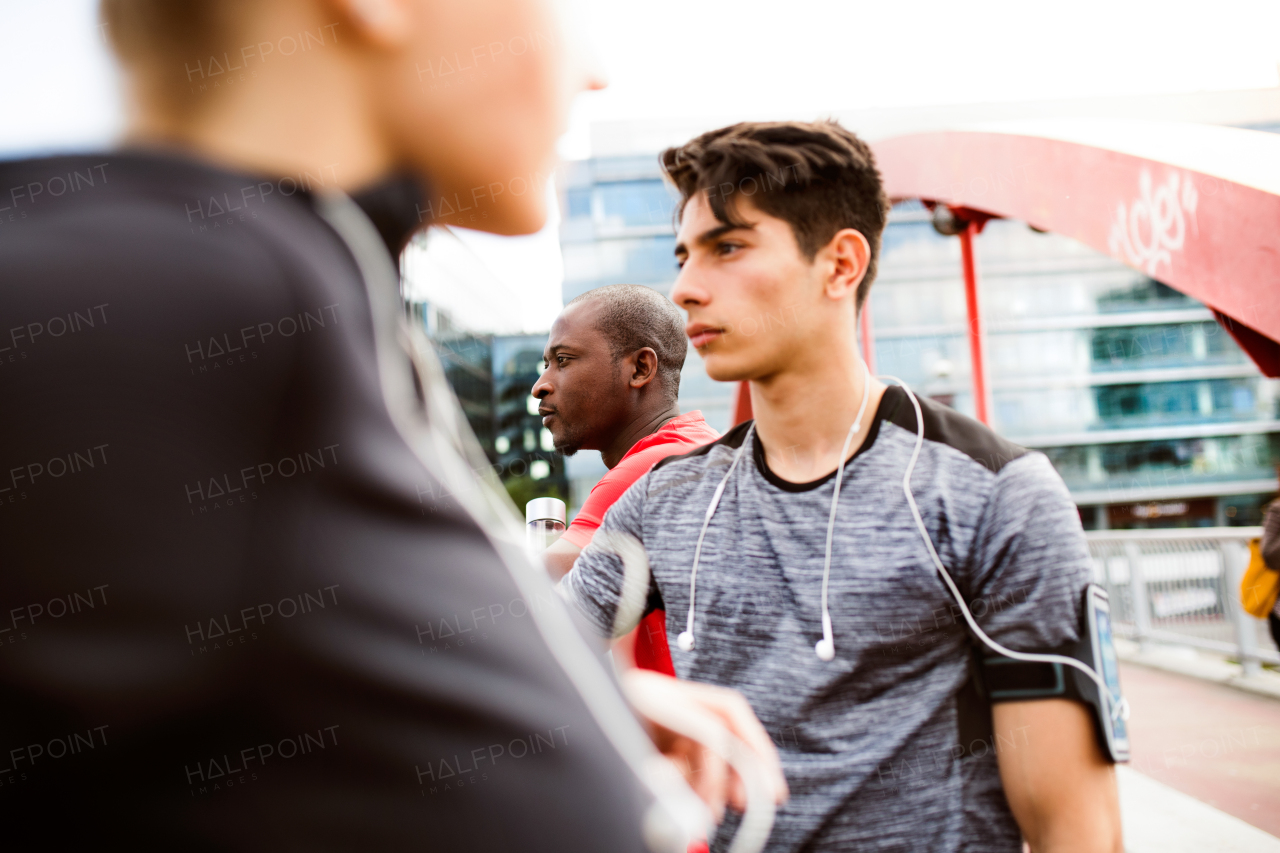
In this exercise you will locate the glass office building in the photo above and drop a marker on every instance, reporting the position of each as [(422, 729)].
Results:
[(618, 228), (492, 376), (1149, 410)]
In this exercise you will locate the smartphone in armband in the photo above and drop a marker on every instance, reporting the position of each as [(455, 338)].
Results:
[(1009, 680), (1106, 664)]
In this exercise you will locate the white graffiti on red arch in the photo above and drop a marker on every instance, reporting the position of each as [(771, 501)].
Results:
[(1146, 232)]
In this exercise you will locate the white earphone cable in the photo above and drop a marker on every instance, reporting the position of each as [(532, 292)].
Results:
[(685, 640), (1118, 705), (826, 647)]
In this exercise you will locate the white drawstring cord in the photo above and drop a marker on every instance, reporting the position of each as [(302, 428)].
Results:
[(1119, 706)]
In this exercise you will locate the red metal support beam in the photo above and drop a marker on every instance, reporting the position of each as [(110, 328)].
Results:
[(1192, 206), (867, 337), (976, 328), (741, 410)]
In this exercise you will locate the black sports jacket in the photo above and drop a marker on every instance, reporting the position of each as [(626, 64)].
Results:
[(252, 595)]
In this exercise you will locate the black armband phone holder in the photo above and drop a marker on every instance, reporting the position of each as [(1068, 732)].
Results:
[(1009, 680)]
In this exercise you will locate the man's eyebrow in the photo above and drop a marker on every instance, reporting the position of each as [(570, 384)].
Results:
[(710, 235)]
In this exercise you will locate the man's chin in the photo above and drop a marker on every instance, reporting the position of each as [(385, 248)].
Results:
[(722, 368), (567, 449)]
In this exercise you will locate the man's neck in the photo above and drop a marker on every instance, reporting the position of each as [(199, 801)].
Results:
[(641, 426), (306, 120), (803, 416)]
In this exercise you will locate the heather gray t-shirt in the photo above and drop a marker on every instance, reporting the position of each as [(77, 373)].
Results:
[(878, 745)]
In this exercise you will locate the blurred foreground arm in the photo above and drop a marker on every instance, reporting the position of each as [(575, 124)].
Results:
[(653, 695), (660, 698), (1061, 790), (559, 558), (694, 725)]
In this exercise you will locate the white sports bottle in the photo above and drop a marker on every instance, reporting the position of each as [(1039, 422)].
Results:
[(544, 522)]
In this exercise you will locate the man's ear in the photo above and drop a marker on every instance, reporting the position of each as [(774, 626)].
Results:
[(644, 367), (847, 257)]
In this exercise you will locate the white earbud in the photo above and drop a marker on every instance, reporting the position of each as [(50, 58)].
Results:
[(826, 647), (685, 640)]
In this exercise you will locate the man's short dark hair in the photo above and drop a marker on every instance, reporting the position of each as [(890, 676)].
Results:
[(633, 317), (817, 177)]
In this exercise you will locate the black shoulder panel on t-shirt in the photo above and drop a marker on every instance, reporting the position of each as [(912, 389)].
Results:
[(732, 438), (945, 425)]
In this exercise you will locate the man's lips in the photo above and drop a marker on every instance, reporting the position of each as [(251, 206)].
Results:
[(546, 414), (700, 335)]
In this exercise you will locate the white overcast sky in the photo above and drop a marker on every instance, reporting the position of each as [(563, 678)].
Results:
[(688, 58), (692, 57)]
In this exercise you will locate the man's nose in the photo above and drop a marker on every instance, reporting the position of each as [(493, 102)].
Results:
[(685, 293), (542, 387)]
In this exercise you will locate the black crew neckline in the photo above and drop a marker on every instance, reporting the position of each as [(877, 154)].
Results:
[(889, 403)]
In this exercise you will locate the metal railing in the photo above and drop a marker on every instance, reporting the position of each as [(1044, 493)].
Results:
[(1182, 586)]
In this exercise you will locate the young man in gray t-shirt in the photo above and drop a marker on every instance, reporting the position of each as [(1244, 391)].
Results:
[(886, 739)]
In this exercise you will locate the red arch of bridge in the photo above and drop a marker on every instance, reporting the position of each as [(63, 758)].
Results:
[(1196, 207)]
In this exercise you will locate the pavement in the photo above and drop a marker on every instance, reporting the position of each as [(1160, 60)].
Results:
[(1206, 666), (1160, 819), (1205, 774)]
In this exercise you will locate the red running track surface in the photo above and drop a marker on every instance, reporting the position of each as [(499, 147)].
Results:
[(1217, 744)]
